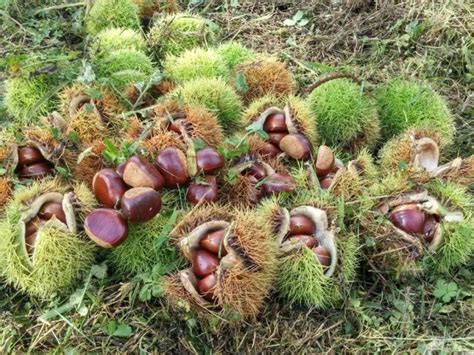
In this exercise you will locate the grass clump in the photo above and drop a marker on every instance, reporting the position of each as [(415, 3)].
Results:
[(112, 13)]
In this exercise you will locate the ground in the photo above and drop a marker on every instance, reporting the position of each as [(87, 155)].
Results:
[(375, 40)]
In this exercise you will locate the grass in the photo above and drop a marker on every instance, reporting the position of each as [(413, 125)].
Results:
[(376, 41)]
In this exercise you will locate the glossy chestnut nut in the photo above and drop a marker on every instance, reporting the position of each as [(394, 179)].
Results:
[(307, 240), (32, 226), (206, 287), (31, 234), (176, 125), (206, 192), (35, 171), (301, 225), (278, 183), (29, 156), (322, 255), (270, 150), (255, 170), (275, 123), (213, 242), (429, 228), (50, 209), (107, 227), (204, 263), (140, 173), (409, 218), (141, 204), (209, 160), (108, 188), (296, 146), (275, 138), (326, 183), (325, 161), (120, 169), (172, 164)]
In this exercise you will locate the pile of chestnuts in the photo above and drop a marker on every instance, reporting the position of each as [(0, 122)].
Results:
[(32, 164)]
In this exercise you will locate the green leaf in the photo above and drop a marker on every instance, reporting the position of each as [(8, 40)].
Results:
[(73, 137), (298, 16), (94, 93), (241, 83), (56, 133), (303, 22), (288, 22), (198, 144), (3, 171), (123, 331), (99, 271)]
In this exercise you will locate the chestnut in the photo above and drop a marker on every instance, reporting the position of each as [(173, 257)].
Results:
[(409, 218), (206, 287), (275, 123), (175, 126), (213, 242), (108, 188), (255, 170), (207, 192), (204, 262), (106, 227), (278, 183), (301, 225), (172, 164), (29, 156), (50, 209), (429, 228), (120, 169), (326, 183), (296, 146), (307, 240), (140, 173), (30, 241), (325, 161), (209, 160), (275, 138), (141, 204), (322, 255), (270, 150), (35, 171), (32, 226)]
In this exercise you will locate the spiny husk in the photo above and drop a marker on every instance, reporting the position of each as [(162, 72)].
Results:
[(202, 123), (345, 116), (147, 8), (5, 192), (113, 38), (243, 286), (88, 126), (235, 53), (301, 279), (265, 76), (195, 63), (173, 34), (86, 163), (60, 255), (112, 13), (145, 248), (396, 252), (215, 96), (460, 170)]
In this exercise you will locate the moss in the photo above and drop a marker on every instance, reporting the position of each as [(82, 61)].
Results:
[(112, 13), (173, 34), (235, 53), (402, 105), (114, 38), (195, 63), (214, 95), (344, 115), (144, 248)]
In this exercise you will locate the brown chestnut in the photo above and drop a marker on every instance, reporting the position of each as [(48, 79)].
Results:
[(206, 287), (204, 263), (307, 240), (213, 242), (275, 138), (140, 173), (31, 234), (326, 183), (296, 146), (172, 164), (301, 225), (29, 156), (120, 169), (107, 227), (141, 204), (32, 226), (429, 228), (35, 171), (108, 188), (324, 161), (278, 183), (209, 160), (176, 125), (205, 192), (323, 255), (275, 123), (409, 218), (270, 150), (255, 170), (50, 209)]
